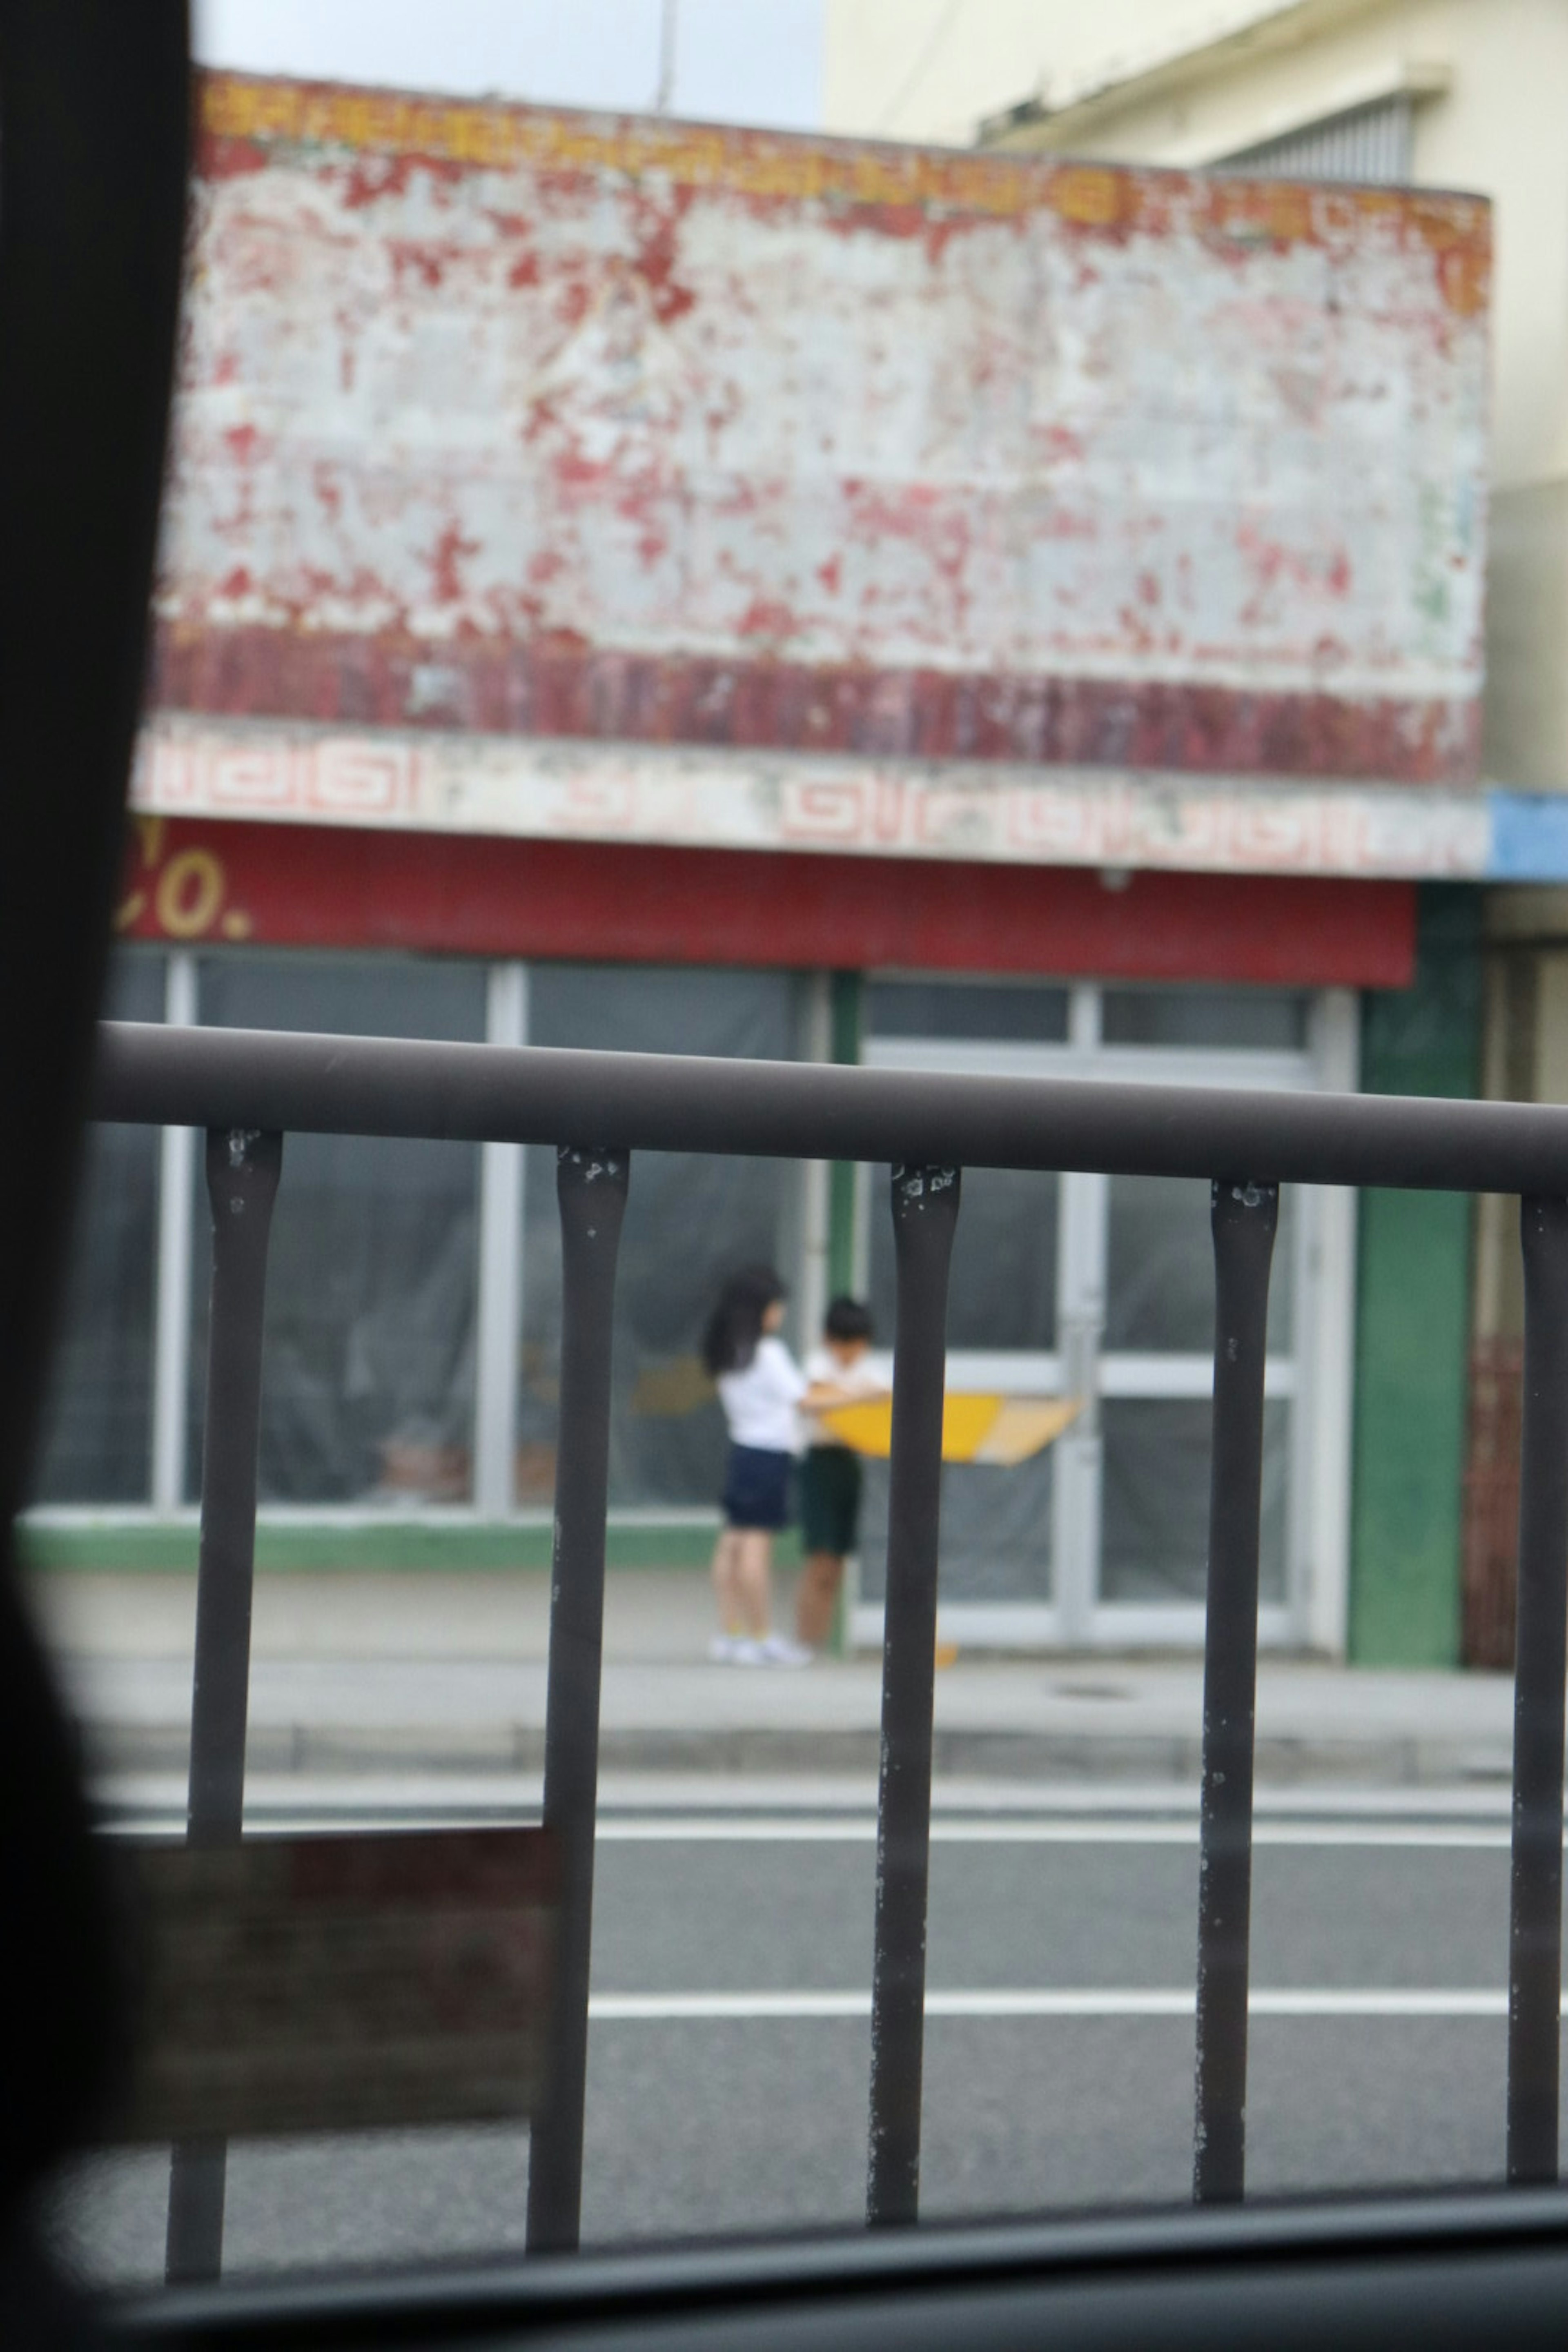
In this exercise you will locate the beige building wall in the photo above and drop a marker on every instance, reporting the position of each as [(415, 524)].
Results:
[(1189, 82), (934, 70)]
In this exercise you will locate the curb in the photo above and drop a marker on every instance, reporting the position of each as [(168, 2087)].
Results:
[(990, 1755)]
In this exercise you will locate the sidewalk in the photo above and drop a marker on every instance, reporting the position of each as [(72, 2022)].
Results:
[(429, 1674)]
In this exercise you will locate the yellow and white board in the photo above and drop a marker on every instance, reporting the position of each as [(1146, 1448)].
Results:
[(999, 1430)]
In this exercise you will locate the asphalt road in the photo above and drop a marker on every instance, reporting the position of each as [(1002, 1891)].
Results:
[(730, 2048)]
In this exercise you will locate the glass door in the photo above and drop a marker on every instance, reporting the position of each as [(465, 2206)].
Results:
[(1101, 1290), (1154, 1382), (1013, 1313)]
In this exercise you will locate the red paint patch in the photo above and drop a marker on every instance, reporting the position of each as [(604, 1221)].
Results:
[(372, 177), (229, 159), (765, 616), (573, 471), (444, 561), (417, 262), (658, 235), (1062, 445), (573, 301)]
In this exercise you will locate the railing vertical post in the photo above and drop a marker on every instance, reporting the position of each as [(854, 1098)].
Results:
[(243, 1167), (591, 1186), (925, 1218), (1535, 1923), (1243, 1217)]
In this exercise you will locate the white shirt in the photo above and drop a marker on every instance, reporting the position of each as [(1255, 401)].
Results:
[(760, 1401), (823, 1369)]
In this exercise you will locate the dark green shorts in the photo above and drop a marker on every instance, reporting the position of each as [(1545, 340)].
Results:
[(829, 1500)]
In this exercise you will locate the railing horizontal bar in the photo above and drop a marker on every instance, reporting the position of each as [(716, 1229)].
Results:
[(657, 1102)]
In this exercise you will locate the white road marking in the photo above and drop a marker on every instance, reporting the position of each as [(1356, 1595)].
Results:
[(678, 1830), (844, 1830), (1070, 2001)]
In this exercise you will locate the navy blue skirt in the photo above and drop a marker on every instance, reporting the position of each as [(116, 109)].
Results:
[(756, 1487)]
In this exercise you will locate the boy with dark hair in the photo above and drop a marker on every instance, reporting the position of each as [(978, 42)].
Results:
[(837, 1372)]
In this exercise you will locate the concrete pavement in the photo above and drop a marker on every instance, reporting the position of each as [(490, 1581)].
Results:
[(404, 1672)]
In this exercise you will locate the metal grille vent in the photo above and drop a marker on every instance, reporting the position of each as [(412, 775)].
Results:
[(1370, 143)]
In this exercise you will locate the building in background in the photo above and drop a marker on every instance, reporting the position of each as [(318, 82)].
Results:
[(1425, 93), (633, 584), (1432, 93)]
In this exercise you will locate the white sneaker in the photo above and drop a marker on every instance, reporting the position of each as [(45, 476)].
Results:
[(745, 1653), (722, 1649), (778, 1650)]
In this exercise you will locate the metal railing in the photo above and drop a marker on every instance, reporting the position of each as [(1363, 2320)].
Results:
[(248, 1089)]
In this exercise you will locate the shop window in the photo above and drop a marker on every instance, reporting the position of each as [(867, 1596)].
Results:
[(97, 1432), (980, 1009), (1261, 1020), (1160, 1284), (689, 1220), (368, 1369), (1154, 1510), (1002, 1291), (997, 1529)]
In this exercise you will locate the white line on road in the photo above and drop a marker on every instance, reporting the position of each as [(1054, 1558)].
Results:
[(618, 2008), (676, 1830), (836, 1830)]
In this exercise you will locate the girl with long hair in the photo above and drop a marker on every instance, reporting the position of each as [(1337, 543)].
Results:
[(759, 1387)]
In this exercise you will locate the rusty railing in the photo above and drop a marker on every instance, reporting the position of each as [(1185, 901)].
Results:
[(248, 1089)]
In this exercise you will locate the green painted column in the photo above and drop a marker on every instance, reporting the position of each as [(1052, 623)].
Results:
[(1412, 1316)]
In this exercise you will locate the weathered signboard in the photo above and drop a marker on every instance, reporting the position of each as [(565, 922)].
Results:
[(338, 1983), (507, 422), (990, 812)]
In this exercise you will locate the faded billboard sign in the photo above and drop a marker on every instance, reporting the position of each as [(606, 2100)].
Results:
[(512, 422)]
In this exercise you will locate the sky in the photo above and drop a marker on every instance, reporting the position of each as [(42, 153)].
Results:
[(753, 61)]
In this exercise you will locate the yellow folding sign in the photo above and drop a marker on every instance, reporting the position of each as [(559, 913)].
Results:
[(1001, 1429)]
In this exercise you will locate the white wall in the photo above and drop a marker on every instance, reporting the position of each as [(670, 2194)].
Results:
[(930, 70)]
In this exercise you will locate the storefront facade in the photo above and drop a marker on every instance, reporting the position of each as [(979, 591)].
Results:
[(656, 586), (413, 1292)]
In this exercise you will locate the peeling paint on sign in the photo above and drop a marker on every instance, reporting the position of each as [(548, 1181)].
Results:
[(975, 812), (514, 421)]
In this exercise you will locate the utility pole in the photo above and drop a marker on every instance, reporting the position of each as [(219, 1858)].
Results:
[(668, 12)]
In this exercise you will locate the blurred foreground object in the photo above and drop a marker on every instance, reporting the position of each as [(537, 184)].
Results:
[(341, 1983), (92, 187)]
